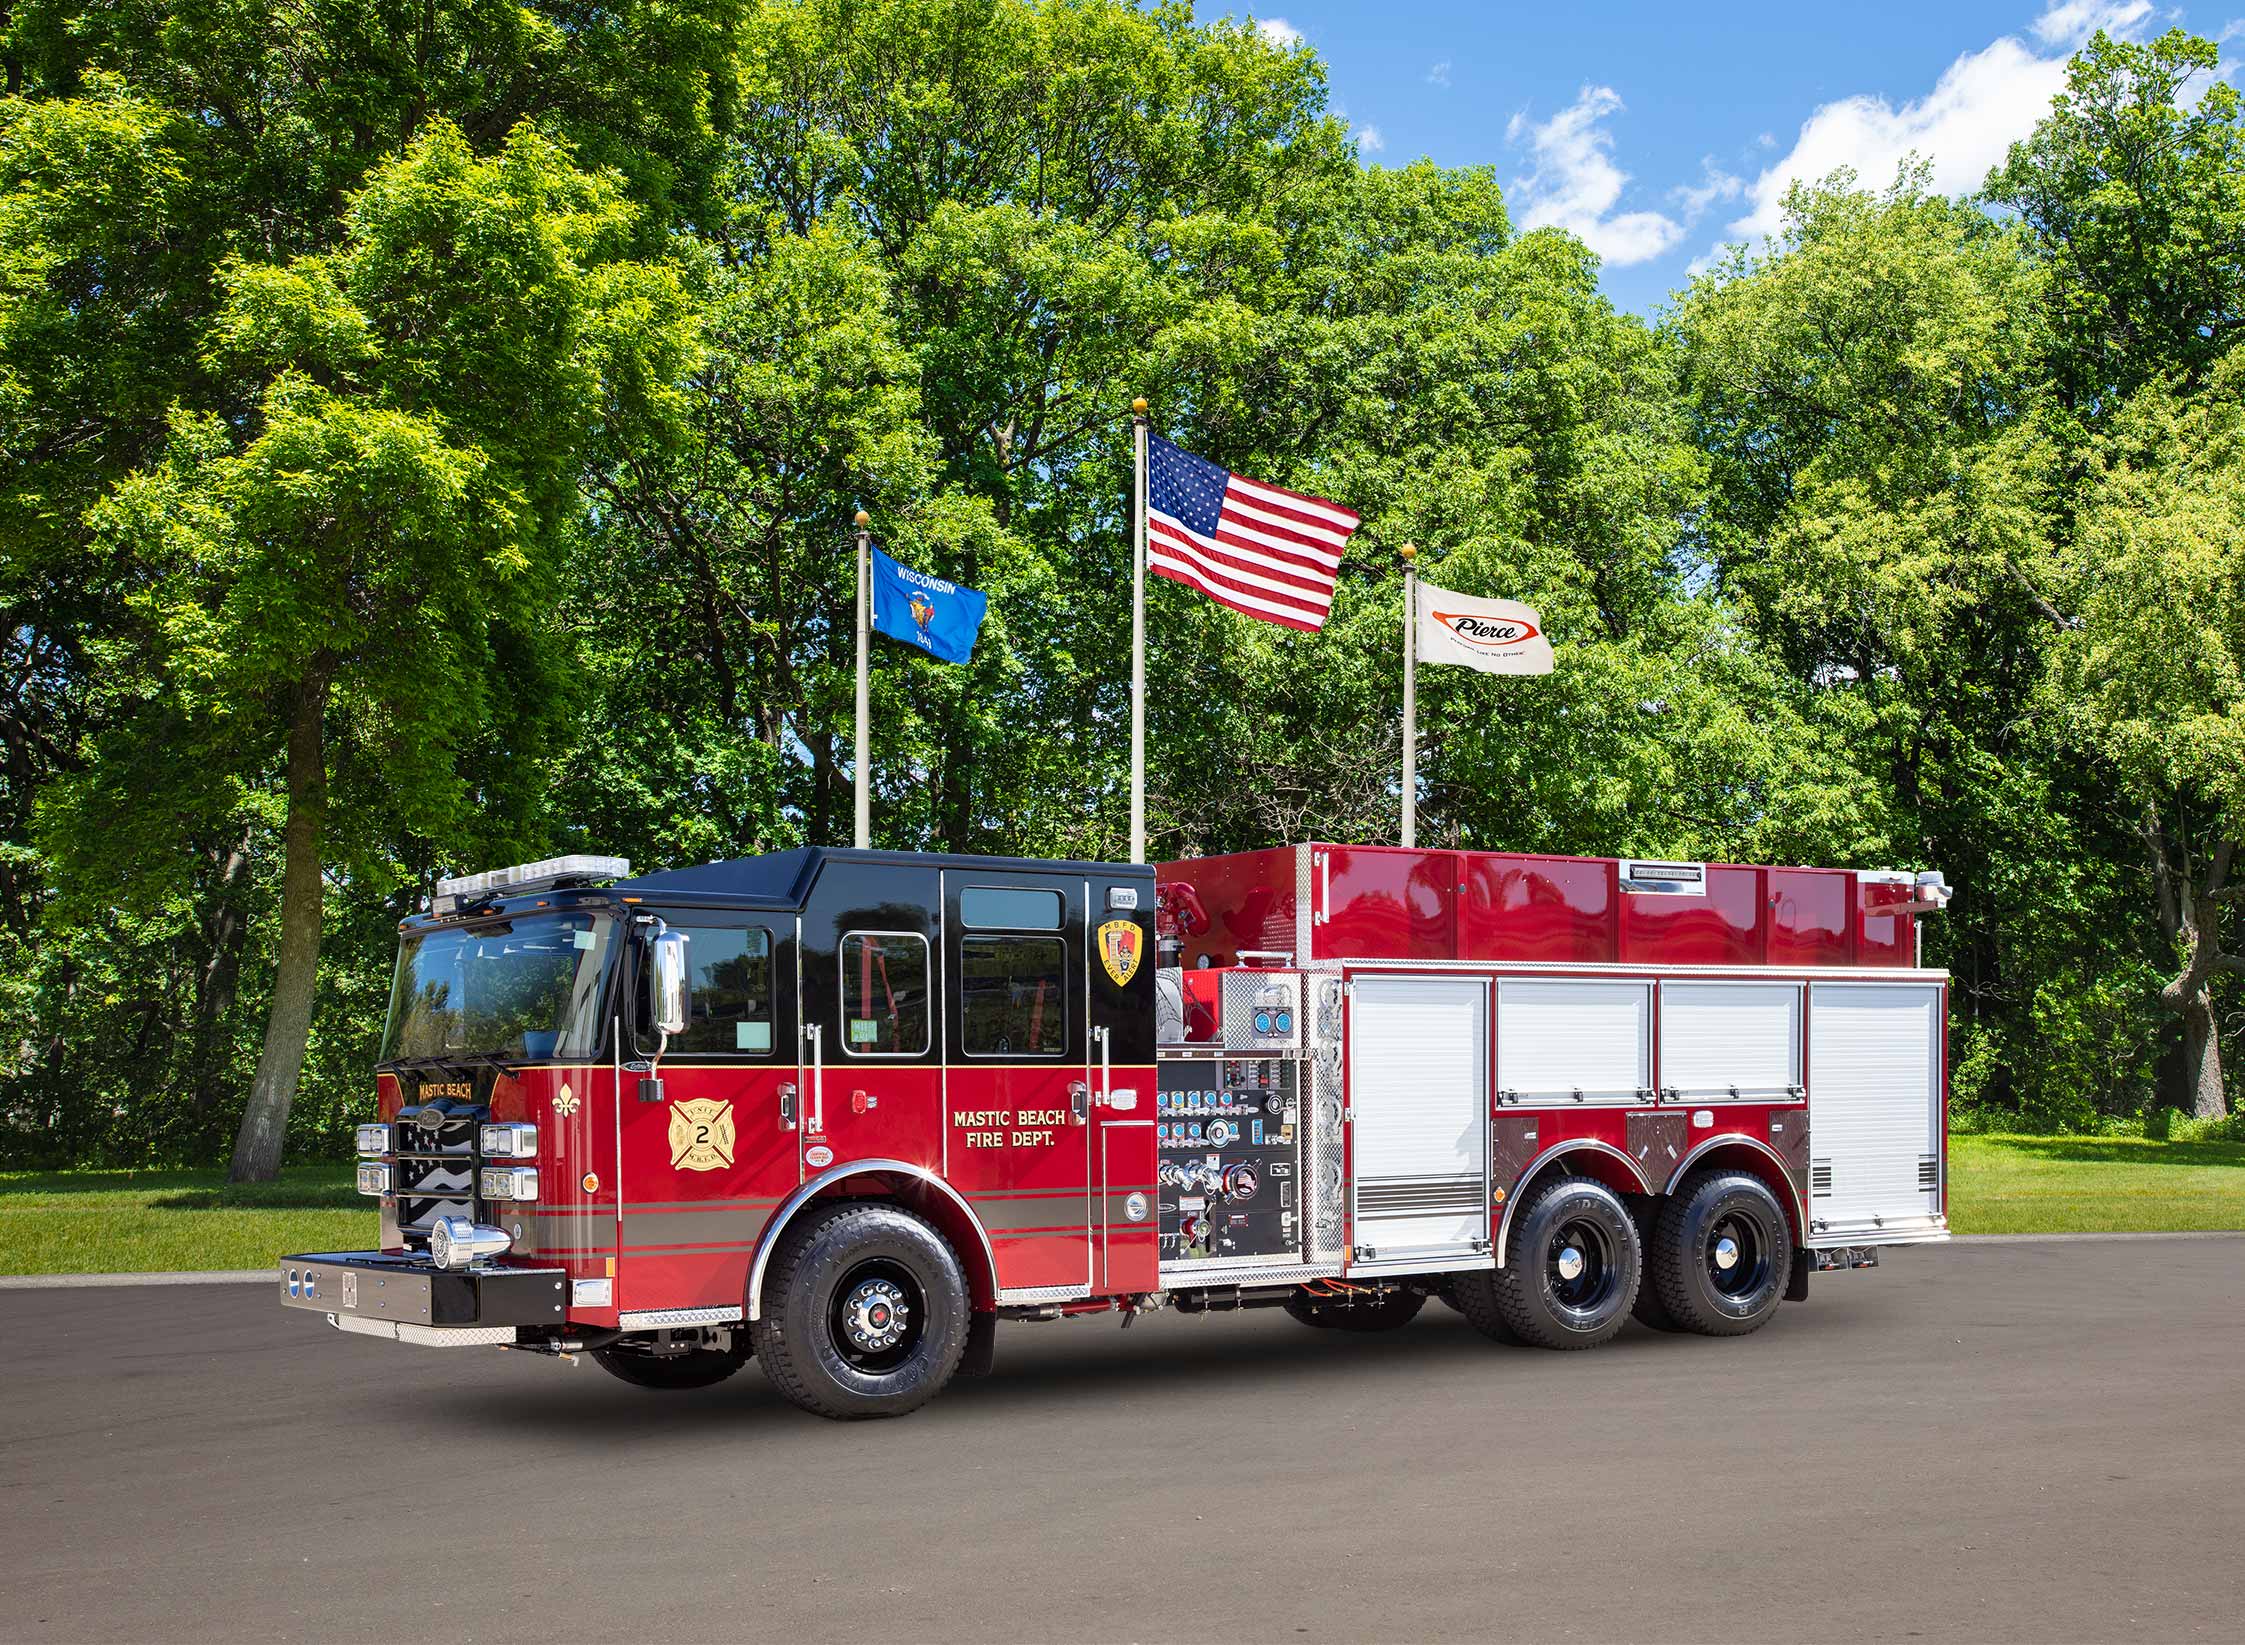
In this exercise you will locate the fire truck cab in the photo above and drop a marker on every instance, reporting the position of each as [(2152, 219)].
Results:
[(844, 1111)]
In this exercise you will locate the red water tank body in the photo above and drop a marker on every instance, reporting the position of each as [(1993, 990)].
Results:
[(1305, 903)]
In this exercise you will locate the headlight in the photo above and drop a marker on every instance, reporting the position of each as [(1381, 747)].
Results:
[(509, 1141), (510, 1182), (374, 1139), (454, 1242), (374, 1177)]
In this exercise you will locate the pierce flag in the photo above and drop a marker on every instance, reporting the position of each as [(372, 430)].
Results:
[(1494, 636), (941, 618)]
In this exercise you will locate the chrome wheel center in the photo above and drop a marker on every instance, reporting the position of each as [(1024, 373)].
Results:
[(874, 1316), (1570, 1263), (1726, 1253)]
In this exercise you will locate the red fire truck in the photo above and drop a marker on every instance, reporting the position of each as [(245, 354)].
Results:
[(847, 1110)]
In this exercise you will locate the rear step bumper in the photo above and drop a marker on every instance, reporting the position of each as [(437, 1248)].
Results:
[(410, 1298)]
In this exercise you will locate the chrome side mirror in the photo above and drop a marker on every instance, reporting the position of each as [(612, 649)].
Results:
[(666, 982)]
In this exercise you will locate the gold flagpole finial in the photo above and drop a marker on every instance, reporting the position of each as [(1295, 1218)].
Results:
[(863, 519), (1408, 552), (1138, 407)]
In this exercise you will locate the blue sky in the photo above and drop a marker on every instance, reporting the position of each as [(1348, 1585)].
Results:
[(1658, 132)]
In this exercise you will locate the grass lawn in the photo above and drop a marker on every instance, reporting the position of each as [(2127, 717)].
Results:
[(2079, 1185), (121, 1222)]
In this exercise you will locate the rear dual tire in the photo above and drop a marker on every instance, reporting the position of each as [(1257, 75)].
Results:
[(1573, 1267), (1722, 1252)]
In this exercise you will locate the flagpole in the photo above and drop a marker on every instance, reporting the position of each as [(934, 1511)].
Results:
[(1138, 640), (864, 692), (1410, 697)]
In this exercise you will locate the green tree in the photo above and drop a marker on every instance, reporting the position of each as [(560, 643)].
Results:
[(2150, 678), (2134, 189), (364, 570)]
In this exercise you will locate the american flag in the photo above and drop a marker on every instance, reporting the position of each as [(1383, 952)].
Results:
[(1260, 549)]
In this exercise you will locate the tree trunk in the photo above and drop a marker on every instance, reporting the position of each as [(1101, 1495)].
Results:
[(2202, 1056), (288, 1021), (216, 983), (2190, 914)]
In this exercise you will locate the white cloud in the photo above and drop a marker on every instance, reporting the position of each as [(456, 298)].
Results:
[(1984, 102), (1279, 32), (1714, 184), (1575, 185), (1370, 140), (2070, 22), (1439, 75)]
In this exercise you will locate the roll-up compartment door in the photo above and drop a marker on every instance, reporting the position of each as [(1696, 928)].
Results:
[(1874, 1110), (1418, 1090), (1563, 1038), (1730, 1039)]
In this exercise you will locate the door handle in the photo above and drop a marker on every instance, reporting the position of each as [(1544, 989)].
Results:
[(787, 1106), (1106, 1064), (1079, 1098), (818, 1078)]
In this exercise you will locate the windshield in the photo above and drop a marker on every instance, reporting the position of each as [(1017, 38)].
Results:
[(525, 988)]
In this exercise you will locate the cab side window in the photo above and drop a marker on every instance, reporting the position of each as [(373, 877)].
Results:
[(1013, 997), (729, 981), (884, 993)]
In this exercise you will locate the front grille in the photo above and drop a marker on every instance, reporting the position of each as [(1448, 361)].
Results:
[(434, 1174)]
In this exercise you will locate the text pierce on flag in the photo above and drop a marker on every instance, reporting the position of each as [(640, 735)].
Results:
[(942, 618), (1494, 636), (1262, 550)]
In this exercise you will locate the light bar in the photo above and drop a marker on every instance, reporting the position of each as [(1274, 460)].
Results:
[(374, 1177), (530, 876), (374, 1139), (509, 1182)]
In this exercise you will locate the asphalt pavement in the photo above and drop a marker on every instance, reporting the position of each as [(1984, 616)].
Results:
[(2030, 1442)]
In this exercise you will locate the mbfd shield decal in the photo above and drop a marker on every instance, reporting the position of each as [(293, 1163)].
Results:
[(701, 1134), (1121, 944)]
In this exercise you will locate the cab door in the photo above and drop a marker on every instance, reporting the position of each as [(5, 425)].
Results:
[(1019, 1070), (710, 1128)]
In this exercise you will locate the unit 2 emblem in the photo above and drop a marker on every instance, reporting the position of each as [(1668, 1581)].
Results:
[(1121, 946), (701, 1134)]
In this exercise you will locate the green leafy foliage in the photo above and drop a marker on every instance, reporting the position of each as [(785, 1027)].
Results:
[(430, 436)]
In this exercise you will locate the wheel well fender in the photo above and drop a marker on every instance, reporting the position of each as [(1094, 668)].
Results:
[(1578, 1156), (914, 1187), (1735, 1152)]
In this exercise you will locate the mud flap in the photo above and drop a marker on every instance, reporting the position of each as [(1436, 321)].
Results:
[(982, 1346), (1796, 1288)]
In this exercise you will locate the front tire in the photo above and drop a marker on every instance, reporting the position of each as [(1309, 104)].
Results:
[(865, 1313), (1722, 1254), (691, 1368), (1572, 1269)]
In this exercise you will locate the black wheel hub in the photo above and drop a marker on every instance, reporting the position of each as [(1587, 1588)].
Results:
[(878, 1315), (1736, 1256), (1581, 1274)]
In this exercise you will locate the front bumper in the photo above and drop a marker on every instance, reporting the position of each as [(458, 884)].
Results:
[(410, 1298)]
